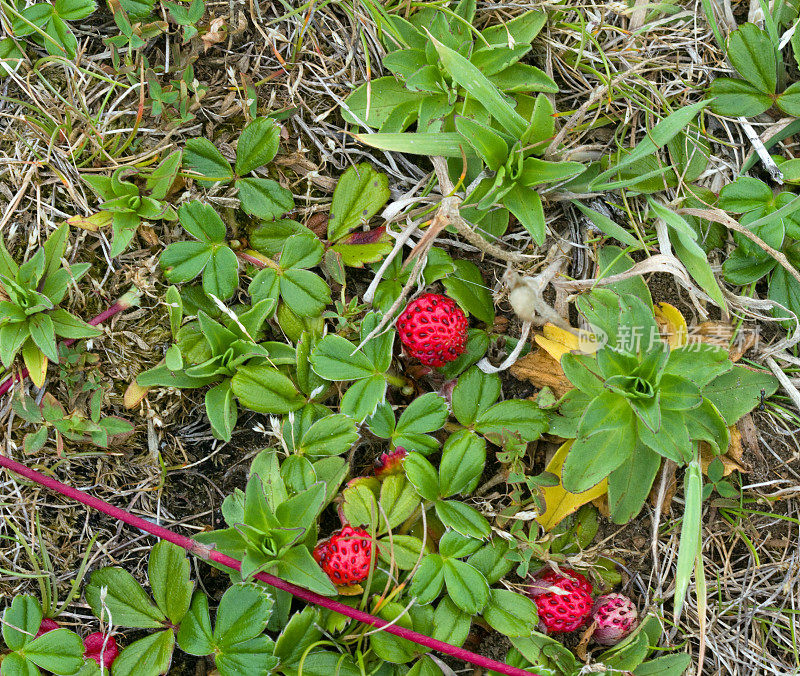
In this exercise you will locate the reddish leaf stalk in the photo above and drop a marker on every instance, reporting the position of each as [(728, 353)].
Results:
[(123, 303), (205, 552)]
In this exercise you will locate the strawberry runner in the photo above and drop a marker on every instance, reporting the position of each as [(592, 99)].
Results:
[(205, 552)]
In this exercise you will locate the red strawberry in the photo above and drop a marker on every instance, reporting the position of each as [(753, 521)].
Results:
[(390, 463), (563, 604), (345, 556), (433, 329), (94, 649), (548, 577), (616, 617), (47, 625)]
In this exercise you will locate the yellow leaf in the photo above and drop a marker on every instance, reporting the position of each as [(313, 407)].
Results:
[(555, 333), (93, 222), (35, 362), (559, 503), (672, 323), (134, 394), (554, 349)]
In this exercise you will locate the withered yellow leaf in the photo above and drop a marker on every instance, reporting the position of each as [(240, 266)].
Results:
[(559, 503), (93, 222)]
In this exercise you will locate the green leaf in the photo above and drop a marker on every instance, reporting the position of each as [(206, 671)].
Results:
[(691, 529), (298, 567), (43, 334), (489, 145), (264, 198), (462, 463), (515, 417), (462, 518), (422, 475), (305, 292), (360, 505), (446, 144), (127, 602), (12, 336), (491, 560), (705, 423), (59, 651), (331, 435), (164, 175), (67, 325), (194, 635), (269, 238), (202, 222), (789, 101), (689, 252), (242, 615), (16, 665), (737, 98), (74, 10), (360, 193), (54, 249), (427, 413), (526, 205), (478, 86), (203, 157), (248, 657), (363, 397), (21, 621), (752, 54), (221, 273), (606, 437), (149, 656), (669, 665), (467, 288), (183, 261), (522, 77), (257, 145), (630, 484), (168, 572), (510, 613), (10, 56), (659, 135), (336, 358), (264, 389), (404, 549), (738, 392), (474, 394), (536, 171), (466, 586), (374, 101), (398, 500), (428, 579), (520, 30), (607, 226)]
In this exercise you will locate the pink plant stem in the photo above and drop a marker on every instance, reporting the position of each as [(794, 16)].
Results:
[(207, 553), (122, 304)]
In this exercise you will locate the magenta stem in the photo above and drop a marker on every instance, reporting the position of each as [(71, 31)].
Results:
[(207, 553), (122, 304)]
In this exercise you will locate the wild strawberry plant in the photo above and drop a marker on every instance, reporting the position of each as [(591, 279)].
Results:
[(58, 651), (257, 145), (46, 23), (177, 613)]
